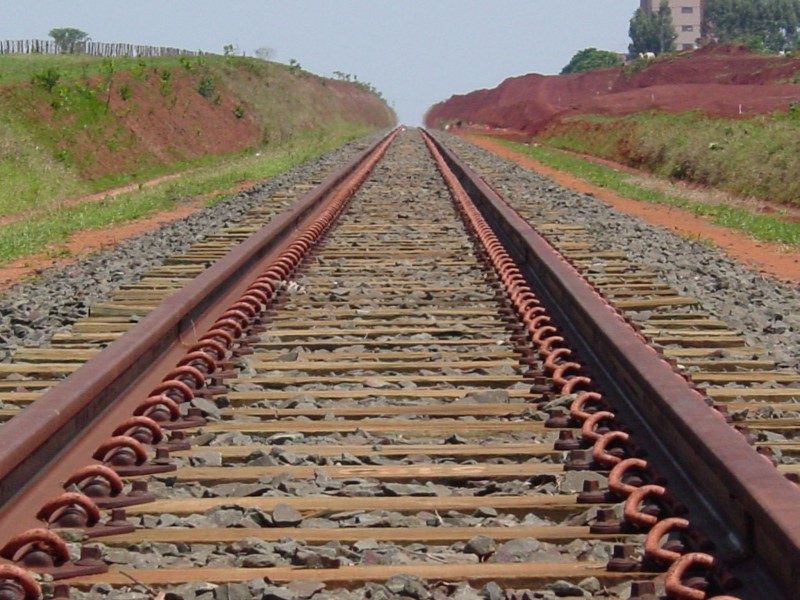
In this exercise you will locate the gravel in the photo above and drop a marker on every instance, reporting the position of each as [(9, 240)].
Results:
[(761, 307)]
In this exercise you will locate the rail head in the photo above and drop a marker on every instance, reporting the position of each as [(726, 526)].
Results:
[(737, 486)]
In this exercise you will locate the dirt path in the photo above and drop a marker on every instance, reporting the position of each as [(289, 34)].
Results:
[(776, 260)]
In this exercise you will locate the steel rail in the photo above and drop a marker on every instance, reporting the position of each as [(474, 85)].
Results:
[(751, 512), (57, 435)]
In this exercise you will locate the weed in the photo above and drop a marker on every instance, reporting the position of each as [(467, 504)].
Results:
[(165, 82), (206, 87), (47, 79), (139, 69), (125, 92), (186, 63), (238, 111)]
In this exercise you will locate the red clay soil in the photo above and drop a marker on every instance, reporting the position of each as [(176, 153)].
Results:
[(767, 258), (719, 80)]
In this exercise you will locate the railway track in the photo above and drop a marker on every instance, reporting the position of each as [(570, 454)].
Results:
[(420, 399)]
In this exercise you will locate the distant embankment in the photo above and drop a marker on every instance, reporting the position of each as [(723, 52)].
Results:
[(109, 120), (718, 80)]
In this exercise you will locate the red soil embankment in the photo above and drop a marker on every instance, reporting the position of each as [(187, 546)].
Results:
[(719, 80)]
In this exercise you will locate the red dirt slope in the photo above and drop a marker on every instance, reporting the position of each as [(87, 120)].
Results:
[(721, 80)]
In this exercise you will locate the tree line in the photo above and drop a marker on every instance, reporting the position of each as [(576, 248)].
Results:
[(764, 25)]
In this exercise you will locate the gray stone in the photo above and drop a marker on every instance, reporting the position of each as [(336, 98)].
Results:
[(226, 517), (488, 396), (284, 438), (408, 489), (232, 591), (258, 561), (465, 592), (239, 490), (205, 458), (565, 589), (518, 550), (407, 586), (210, 410), (480, 545), (591, 585), (305, 588), (284, 515), (493, 591), (278, 593)]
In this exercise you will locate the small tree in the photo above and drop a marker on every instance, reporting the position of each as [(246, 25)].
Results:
[(590, 59), (67, 38), (652, 32), (264, 53)]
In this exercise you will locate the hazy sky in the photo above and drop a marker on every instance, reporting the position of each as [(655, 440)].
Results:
[(415, 52)]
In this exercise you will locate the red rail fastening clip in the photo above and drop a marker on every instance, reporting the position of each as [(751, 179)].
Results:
[(17, 583), (43, 551), (104, 487), (128, 457), (678, 587)]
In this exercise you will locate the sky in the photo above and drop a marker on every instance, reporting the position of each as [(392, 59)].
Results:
[(416, 52)]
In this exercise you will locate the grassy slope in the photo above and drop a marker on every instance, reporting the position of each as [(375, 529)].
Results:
[(105, 123), (752, 157)]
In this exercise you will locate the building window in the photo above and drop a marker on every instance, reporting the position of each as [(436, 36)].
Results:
[(687, 47), (687, 10), (687, 28)]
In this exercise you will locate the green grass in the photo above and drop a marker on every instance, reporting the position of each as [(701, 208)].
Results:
[(22, 67), (761, 227), (29, 175), (40, 233), (757, 156)]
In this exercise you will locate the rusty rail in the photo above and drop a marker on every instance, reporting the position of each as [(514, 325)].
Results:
[(744, 504), (58, 435)]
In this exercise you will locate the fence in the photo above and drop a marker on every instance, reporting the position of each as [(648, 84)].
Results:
[(91, 48)]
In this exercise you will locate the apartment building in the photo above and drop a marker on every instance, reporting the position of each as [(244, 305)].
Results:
[(687, 16)]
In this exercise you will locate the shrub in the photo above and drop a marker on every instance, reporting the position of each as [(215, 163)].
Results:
[(125, 92), (206, 87), (47, 79)]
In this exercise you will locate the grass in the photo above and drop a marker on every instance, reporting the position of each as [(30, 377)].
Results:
[(40, 233), (28, 175), (758, 156), (761, 227), (23, 67)]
